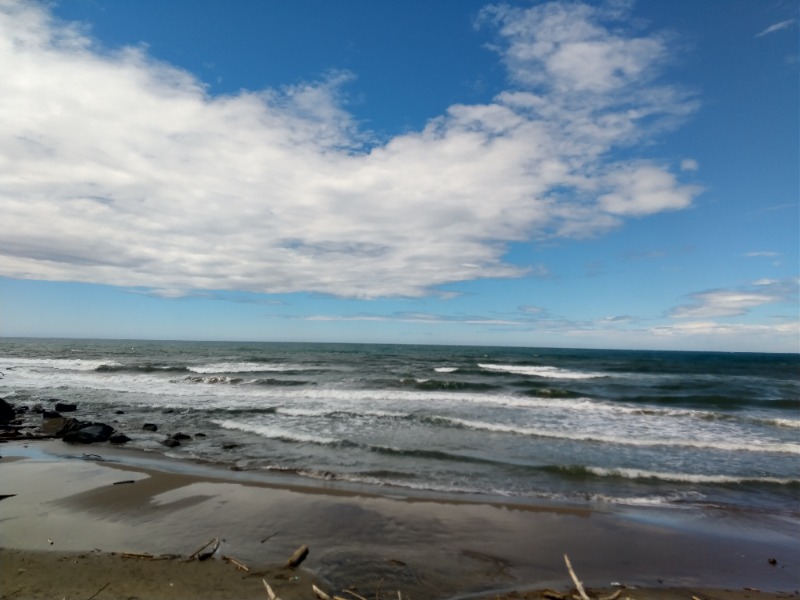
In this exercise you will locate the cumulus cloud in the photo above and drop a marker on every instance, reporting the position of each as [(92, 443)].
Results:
[(118, 169), (737, 302)]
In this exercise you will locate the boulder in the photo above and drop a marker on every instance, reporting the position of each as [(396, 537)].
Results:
[(58, 426), (90, 433), (7, 412), (180, 436), (50, 414), (119, 438), (171, 442), (150, 427), (65, 407)]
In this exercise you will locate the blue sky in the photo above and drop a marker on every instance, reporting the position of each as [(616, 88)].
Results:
[(604, 174)]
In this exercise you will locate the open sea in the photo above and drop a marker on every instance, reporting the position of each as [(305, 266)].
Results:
[(596, 427)]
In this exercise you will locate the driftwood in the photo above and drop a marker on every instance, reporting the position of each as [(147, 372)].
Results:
[(298, 557), (270, 593), (236, 563), (206, 555), (319, 593), (578, 584), (98, 591), (354, 595)]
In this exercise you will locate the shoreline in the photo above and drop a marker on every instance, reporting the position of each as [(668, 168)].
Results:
[(425, 545)]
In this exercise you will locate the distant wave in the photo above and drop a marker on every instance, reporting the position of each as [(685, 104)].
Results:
[(143, 368), (641, 474), (549, 372), (445, 369), (244, 367)]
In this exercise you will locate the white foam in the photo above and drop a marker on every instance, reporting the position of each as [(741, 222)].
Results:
[(243, 367), (273, 432), (445, 369), (549, 372), (686, 477)]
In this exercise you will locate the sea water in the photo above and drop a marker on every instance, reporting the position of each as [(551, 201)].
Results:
[(672, 429)]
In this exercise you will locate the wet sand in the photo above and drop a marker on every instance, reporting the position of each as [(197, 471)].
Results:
[(66, 513)]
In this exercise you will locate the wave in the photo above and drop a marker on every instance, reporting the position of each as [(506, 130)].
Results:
[(541, 371), (743, 445), (277, 433), (445, 369), (244, 367), (143, 368), (714, 401), (644, 475)]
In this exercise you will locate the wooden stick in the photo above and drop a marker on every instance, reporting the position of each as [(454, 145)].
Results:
[(98, 591), (353, 594), (270, 594), (613, 596), (201, 548), (236, 563), (578, 584), (298, 557), (207, 555), (319, 593), (135, 555)]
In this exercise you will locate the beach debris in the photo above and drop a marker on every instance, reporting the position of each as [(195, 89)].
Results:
[(197, 553), (578, 584), (270, 593), (124, 481), (50, 541), (98, 591), (236, 563), (297, 557), (319, 593), (353, 594), (270, 536)]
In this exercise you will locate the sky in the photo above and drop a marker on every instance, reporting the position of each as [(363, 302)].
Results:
[(556, 174)]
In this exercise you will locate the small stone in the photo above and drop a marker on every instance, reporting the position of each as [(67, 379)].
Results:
[(119, 438), (171, 442), (150, 427), (65, 407)]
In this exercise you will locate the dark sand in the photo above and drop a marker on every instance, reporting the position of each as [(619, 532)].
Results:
[(70, 519)]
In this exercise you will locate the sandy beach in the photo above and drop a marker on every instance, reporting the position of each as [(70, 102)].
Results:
[(74, 524)]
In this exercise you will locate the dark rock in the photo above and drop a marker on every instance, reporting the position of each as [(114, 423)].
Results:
[(89, 434), (119, 438), (50, 414), (64, 407), (22, 409), (7, 411), (171, 442), (119, 412), (37, 408), (150, 427), (180, 436), (200, 435), (229, 446)]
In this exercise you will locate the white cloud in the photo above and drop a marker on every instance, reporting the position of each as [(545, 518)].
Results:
[(777, 27), (689, 164), (119, 169), (736, 302)]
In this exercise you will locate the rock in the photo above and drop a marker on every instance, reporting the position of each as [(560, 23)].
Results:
[(58, 426), (37, 408), (200, 435), (50, 414), (119, 412), (150, 427), (171, 442), (119, 438), (7, 412), (180, 436), (65, 407), (89, 434)]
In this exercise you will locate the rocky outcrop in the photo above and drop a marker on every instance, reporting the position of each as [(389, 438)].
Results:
[(7, 412), (89, 433)]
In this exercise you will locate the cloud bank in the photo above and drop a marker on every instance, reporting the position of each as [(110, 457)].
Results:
[(118, 169)]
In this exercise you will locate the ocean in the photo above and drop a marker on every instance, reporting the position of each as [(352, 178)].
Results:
[(587, 427)]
